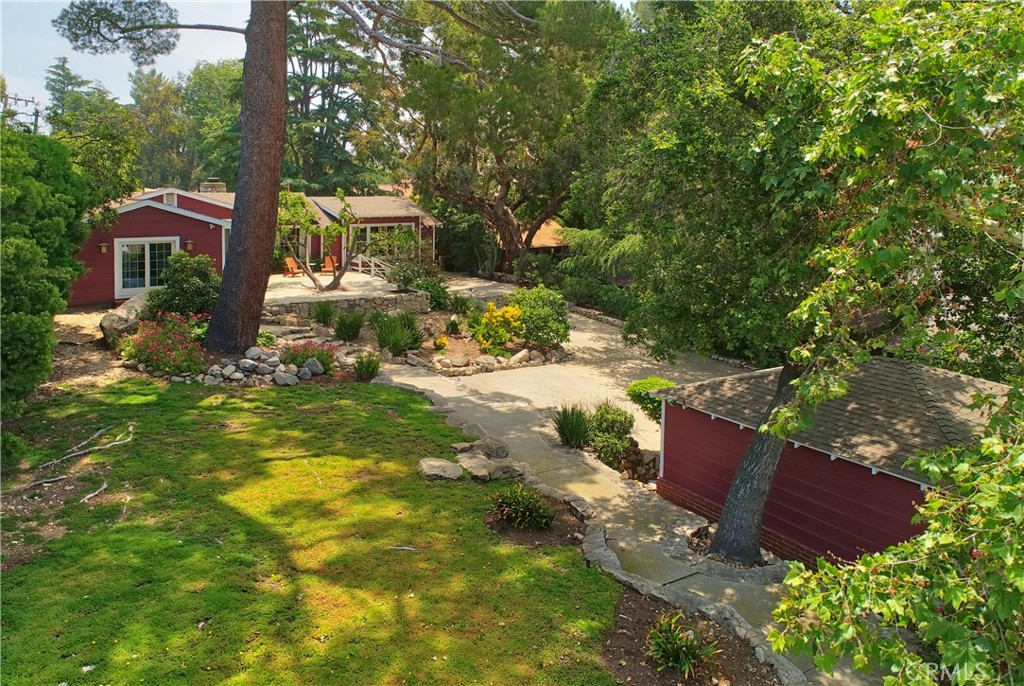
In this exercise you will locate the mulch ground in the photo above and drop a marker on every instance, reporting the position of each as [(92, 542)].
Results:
[(625, 648), (564, 530)]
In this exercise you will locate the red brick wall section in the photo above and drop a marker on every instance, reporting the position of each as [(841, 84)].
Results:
[(96, 287), (827, 506)]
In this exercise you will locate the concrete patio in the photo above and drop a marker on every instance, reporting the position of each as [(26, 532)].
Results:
[(294, 289)]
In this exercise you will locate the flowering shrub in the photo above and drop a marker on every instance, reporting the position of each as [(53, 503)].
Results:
[(298, 353), (166, 344), (497, 327), (440, 343)]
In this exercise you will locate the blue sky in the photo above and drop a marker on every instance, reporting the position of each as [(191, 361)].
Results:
[(30, 45)]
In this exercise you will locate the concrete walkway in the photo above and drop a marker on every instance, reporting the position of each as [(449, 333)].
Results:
[(515, 406)]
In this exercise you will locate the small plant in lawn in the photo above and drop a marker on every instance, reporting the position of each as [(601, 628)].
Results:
[(639, 393), (460, 304), (323, 312), (497, 327), (298, 353), (347, 326), (673, 646), (544, 316), (573, 425), (610, 448), (439, 296), (166, 345), (440, 343), (611, 420), (522, 507), (265, 339), (367, 366)]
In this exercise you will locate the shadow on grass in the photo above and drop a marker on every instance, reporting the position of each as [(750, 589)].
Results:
[(254, 537)]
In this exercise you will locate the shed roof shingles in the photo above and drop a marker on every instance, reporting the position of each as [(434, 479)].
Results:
[(892, 410)]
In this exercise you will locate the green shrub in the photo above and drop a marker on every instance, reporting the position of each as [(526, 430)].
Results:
[(165, 345), (538, 268), (572, 422), (580, 290), (265, 339), (614, 301), (28, 301), (460, 304), (323, 312), (298, 353), (522, 507), (609, 448), (397, 333), (347, 326), (673, 646), (439, 296), (199, 329), (452, 327), (191, 285), (545, 316), (639, 393), (497, 328), (13, 449), (367, 366), (405, 272), (610, 420)]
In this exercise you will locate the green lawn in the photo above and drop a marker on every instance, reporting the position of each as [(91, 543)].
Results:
[(266, 516)]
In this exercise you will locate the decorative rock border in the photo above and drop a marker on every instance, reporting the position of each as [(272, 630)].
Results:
[(485, 364), (258, 367), (596, 315), (596, 551)]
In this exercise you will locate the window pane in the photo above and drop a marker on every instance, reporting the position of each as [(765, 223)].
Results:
[(133, 266), (158, 254)]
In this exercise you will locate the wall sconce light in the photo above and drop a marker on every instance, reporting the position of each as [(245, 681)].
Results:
[(103, 248), (188, 245)]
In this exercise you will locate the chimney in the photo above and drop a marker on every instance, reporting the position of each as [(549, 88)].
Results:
[(213, 185)]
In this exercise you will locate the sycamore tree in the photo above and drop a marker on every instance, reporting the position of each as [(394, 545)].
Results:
[(500, 139), (146, 28), (297, 219)]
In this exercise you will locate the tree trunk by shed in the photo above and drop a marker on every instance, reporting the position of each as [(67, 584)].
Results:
[(739, 530), (236, 318)]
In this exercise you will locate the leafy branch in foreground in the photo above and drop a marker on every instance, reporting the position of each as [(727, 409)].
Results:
[(959, 586)]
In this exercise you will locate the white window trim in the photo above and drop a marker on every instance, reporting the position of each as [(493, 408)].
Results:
[(123, 294), (171, 199), (225, 232)]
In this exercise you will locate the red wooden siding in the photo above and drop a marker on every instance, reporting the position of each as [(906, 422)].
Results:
[(96, 287), (817, 506), (200, 207)]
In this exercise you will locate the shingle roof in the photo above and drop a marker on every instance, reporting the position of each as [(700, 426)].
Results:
[(892, 410), (369, 206), (549, 235)]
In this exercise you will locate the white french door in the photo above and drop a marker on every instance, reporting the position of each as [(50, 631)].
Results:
[(139, 264)]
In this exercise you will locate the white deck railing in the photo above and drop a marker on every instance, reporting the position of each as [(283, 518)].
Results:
[(365, 264)]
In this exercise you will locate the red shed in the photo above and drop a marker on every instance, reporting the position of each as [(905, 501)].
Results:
[(842, 487)]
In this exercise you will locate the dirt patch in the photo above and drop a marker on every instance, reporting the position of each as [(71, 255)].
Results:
[(564, 530), (82, 357), (625, 648)]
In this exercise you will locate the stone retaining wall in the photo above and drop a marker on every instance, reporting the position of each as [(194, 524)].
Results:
[(417, 302)]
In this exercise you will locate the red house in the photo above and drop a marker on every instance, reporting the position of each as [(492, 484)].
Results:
[(129, 258), (842, 487)]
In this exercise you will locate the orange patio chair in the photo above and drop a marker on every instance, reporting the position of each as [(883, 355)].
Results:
[(330, 265), (291, 267)]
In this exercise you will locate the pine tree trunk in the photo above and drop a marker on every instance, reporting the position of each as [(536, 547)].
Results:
[(739, 530), (236, 318)]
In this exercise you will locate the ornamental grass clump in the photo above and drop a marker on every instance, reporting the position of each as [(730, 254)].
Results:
[(572, 422), (367, 366), (522, 507), (397, 333), (674, 646), (166, 345), (323, 312), (347, 326), (298, 353)]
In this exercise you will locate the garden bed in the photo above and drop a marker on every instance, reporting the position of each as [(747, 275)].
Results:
[(565, 529)]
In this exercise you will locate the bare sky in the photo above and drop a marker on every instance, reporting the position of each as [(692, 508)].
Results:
[(31, 44)]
